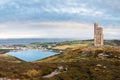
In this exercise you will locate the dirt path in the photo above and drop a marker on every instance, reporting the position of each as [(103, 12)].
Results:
[(55, 72)]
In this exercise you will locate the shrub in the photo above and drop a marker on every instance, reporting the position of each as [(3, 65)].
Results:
[(33, 73)]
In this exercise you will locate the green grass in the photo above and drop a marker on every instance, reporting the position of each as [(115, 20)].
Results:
[(80, 70), (112, 42), (88, 53), (81, 63)]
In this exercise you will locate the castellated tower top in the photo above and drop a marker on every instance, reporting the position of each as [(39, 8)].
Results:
[(96, 24)]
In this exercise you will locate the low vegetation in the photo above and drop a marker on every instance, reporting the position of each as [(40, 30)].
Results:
[(79, 70), (86, 53), (61, 46), (82, 63), (2, 51), (112, 42), (24, 70), (4, 57)]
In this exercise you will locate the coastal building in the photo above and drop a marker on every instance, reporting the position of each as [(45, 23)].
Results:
[(98, 35)]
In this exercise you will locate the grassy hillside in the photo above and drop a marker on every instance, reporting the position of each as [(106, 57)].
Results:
[(88, 63), (86, 53), (5, 57), (79, 63), (2, 51), (80, 70), (112, 42), (61, 46), (89, 70)]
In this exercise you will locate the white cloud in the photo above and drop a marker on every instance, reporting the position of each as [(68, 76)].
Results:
[(112, 32), (60, 10), (2, 2), (74, 10), (54, 30), (46, 30)]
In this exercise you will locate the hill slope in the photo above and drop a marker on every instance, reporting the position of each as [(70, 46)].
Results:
[(61, 46), (4, 57), (88, 63), (112, 42), (86, 53)]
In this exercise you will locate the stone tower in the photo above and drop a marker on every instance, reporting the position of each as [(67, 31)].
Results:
[(98, 35)]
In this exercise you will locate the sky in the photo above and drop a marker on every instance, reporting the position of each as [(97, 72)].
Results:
[(58, 18)]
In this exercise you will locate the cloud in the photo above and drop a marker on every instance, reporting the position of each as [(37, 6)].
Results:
[(45, 30), (67, 18), (54, 30), (61, 10), (74, 10)]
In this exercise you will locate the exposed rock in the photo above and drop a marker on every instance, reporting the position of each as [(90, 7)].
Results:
[(102, 56), (98, 65)]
